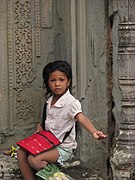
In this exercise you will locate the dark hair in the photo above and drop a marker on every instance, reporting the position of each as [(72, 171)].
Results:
[(62, 66)]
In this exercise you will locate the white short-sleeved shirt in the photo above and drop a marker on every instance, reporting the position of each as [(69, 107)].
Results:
[(60, 118)]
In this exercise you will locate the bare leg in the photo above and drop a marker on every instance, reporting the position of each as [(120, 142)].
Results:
[(24, 166), (40, 161)]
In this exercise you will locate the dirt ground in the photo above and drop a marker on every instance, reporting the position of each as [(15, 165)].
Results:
[(79, 173)]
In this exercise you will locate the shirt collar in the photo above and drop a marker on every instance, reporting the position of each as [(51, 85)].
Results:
[(61, 101)]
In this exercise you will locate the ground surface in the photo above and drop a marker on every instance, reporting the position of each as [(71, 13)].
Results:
[(74, 168), (79, 173)]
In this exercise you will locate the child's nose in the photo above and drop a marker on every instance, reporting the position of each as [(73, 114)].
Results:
[(57, 83)]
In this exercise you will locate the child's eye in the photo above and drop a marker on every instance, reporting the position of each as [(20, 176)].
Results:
[(52, 80)]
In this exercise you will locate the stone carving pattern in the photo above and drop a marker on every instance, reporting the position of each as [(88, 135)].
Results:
[(126, 10), (123, 156), (47, 14), (126, 56), (23, 54), (10, 66), (37, 10)]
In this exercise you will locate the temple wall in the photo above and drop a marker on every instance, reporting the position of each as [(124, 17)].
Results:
[(93, 81), (26, 26), (36, 32)]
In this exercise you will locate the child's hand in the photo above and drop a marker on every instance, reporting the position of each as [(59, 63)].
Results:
[(39, 128), (99, 135)]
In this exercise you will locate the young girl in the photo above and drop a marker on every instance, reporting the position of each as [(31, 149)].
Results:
[(63, 110)]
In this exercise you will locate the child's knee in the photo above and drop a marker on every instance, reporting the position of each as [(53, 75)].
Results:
[(33, 162), (36, 163)]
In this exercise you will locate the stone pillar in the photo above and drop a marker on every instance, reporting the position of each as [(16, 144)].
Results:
[(123, 159)]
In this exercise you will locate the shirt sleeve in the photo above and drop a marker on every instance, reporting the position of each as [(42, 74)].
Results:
[(75, 108)]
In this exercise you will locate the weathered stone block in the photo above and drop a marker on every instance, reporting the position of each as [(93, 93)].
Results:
[(9, 168)]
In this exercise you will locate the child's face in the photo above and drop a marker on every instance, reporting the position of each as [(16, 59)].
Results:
[(58, 82)]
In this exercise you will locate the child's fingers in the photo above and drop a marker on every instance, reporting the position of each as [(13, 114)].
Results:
[(36, 131), (99, 135), (103, 136)]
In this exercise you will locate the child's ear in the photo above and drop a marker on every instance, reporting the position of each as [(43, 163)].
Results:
[(69, 82)]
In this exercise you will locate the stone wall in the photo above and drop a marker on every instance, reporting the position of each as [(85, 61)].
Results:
[(34, 33), (25, 45), (93, 81)]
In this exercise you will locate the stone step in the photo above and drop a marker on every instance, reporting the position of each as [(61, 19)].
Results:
[(9, 170)]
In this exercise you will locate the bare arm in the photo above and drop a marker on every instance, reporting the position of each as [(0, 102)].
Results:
[(87, 124)]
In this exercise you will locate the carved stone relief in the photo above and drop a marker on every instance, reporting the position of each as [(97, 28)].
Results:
[(46, 14), (38, 35), (10, 66), (23, 54), (124, 156)]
